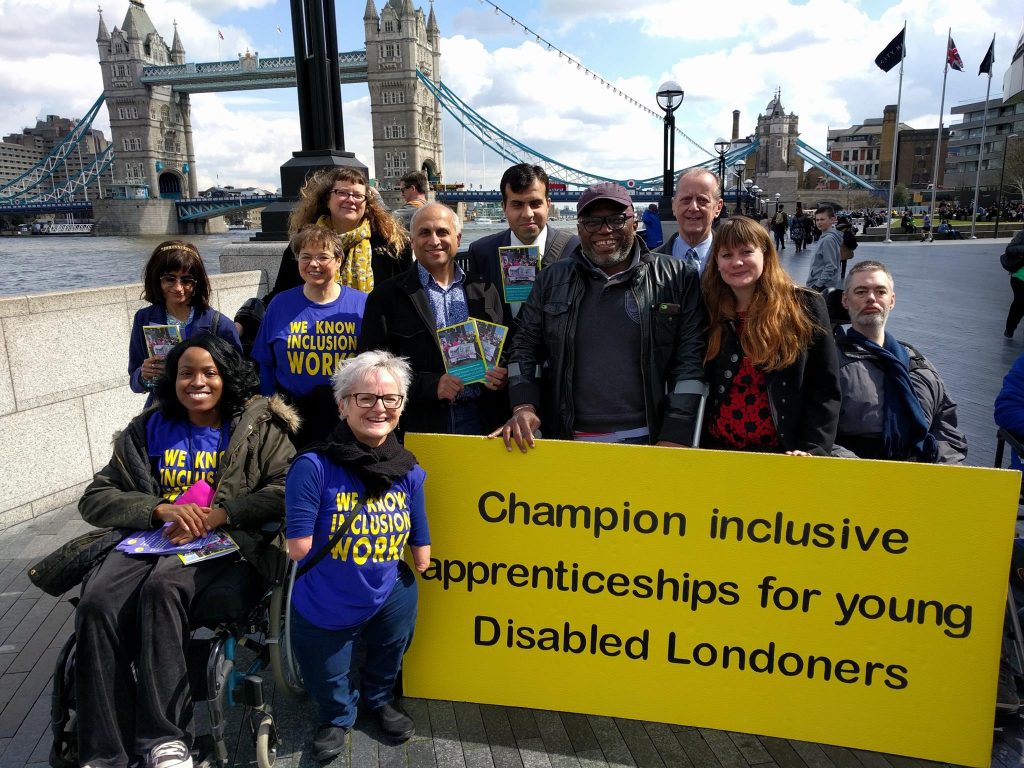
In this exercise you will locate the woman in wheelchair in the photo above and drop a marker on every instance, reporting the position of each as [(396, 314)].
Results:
[(359, 496), (136, 609)]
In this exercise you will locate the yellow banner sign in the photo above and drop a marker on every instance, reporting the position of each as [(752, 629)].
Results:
[(849, 602)]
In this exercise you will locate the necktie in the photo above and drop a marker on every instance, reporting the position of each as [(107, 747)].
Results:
[(693, 258)]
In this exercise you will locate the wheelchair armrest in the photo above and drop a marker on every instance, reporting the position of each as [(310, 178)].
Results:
[(1005, 437)]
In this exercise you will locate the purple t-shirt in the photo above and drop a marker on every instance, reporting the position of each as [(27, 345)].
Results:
[(351, 583), (300, 342), (184, 453)]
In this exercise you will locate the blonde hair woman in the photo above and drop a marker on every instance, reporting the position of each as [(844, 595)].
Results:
[(375, 244)]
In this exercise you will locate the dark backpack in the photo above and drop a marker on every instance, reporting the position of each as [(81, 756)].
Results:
[(1012, 261), (849, 239)]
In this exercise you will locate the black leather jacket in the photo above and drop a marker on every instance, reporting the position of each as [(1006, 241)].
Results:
[(672, 322)]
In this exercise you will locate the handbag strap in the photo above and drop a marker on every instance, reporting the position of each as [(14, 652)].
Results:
[(306, 566)]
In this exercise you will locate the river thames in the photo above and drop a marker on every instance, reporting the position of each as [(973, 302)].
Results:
[(46, 263)]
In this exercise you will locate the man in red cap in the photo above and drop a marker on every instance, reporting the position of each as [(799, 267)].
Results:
[(620, 334)]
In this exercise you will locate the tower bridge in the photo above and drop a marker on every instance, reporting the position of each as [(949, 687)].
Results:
[(148, 84), (248, 73)]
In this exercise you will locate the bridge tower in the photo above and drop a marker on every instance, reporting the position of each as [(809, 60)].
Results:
[(150, 126), (778, 167), (405, 117)]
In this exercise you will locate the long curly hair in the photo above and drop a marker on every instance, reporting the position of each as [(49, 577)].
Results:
[(315, 196), (176, 256), (237, 374), (776, 328)]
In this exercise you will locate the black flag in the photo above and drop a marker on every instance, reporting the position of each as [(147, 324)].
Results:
[(892, 54), (986, 63)]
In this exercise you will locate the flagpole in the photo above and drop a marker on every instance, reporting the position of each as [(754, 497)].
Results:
[(895, 140), (981, 148), (938, 142)]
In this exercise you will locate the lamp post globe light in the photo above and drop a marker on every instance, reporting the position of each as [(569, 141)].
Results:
[(721, 146), (747, 184), (756, 192), (739, 166), (670, 96), (778, 196), (1002, 172)]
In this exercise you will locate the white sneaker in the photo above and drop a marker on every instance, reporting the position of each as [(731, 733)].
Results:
[(170, 754)]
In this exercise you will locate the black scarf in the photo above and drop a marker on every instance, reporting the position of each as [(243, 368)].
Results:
[(377, 468)]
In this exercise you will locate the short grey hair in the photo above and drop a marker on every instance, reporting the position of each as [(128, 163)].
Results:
[(698, 171), (868, 266), (351, 372), (456, 221)]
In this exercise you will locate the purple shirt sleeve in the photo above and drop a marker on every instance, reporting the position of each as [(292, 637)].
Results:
[(302, 496)]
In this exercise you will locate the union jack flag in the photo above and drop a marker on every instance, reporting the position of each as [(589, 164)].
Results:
[(953, 58), (220, 34)]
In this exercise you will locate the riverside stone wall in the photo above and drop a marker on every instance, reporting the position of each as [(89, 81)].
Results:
[(64, 387)]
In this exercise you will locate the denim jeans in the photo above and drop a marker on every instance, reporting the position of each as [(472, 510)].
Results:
[(325, 655), (464, 418), (135, 608)]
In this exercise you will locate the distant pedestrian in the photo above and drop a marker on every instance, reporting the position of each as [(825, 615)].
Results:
[(1015, 251), (798, 227), (413, 187), (825, 263), (780, 225), (926, 228), (652, 227), (849, 245)]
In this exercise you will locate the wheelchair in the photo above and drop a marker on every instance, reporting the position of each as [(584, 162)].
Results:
[(231, 615), (1010, 693)]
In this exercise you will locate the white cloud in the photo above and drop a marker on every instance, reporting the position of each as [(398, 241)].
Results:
[(820, 52)]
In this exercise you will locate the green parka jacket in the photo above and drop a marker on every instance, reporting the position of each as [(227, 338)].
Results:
[(250, 485)]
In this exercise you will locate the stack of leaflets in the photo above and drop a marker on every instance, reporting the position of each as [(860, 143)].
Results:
[(472, 348), (519, 267), (154, 541), (160, 339)]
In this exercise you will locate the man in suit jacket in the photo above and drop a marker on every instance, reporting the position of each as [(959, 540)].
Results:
[(404, 313), (526, 203), (696, 205)]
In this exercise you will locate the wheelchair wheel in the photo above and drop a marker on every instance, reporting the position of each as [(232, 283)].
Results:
[(266, 742), (282, 660)]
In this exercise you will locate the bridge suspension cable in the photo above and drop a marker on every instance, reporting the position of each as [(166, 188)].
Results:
[(46, 169), (587, 70), (510, 148)]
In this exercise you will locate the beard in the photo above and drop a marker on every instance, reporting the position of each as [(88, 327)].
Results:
[(876, 320), (612, 259)]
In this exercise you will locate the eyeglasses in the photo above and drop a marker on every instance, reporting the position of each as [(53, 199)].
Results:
[(305, 260), (169, 281), (367, 400), (344, 194), (594, 223)]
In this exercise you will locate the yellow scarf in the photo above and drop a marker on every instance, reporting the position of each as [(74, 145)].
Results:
[(357, 271)]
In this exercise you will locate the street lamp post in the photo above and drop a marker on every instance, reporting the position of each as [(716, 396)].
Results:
[(778, 196), (670, 96), (739, 167), (747, 184), (721, 145), (1002, 172), (756, 192)]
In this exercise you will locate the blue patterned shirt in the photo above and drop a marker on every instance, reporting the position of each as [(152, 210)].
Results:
[(450, 308)]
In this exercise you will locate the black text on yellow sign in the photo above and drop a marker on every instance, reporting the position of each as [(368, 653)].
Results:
[(846, 602)]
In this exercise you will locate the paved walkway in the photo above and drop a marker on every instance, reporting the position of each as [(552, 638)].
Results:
[(951, 304)]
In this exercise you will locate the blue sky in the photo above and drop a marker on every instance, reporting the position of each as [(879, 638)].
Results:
[(819, 52)]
